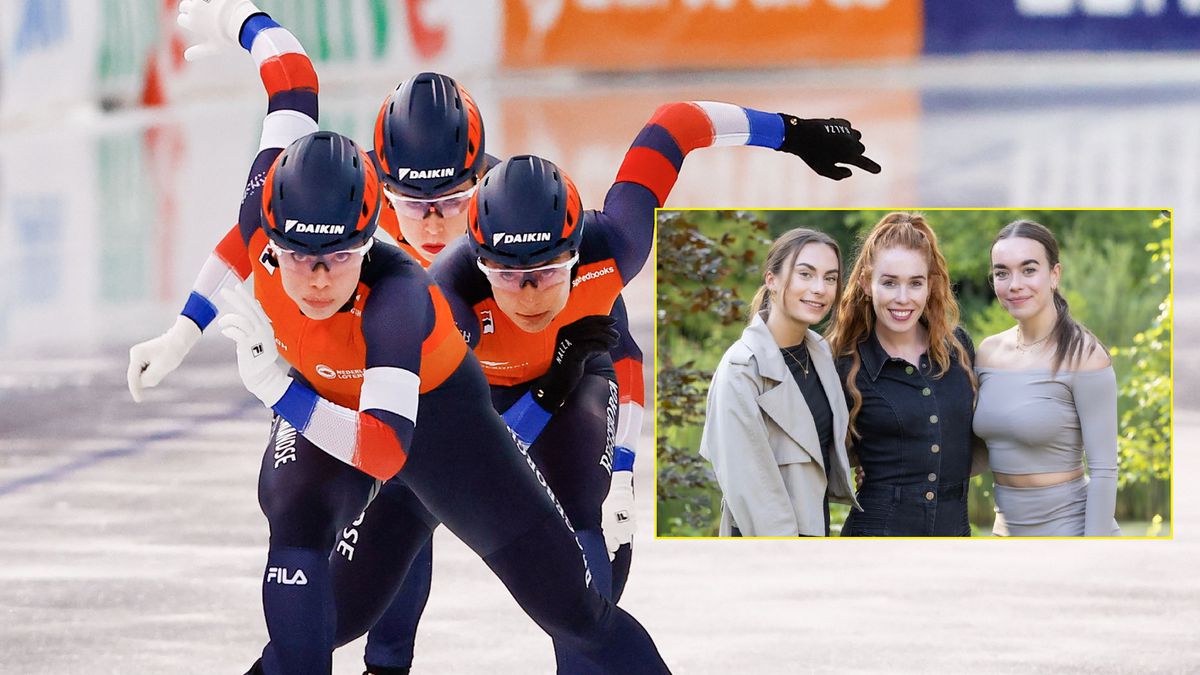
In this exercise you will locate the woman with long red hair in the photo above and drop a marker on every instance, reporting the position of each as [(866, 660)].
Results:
[(906, 367)]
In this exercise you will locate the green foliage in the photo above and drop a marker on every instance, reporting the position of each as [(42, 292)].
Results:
[(1145, 424), (703, 259), (1108, 290)]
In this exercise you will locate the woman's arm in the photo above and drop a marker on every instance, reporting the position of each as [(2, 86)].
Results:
[(1095, 395), (735, 441)]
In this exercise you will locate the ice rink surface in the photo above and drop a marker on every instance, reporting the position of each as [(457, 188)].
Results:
[(131, 539)]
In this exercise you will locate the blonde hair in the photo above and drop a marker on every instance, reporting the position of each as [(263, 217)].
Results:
[(856, 314), (781, 256)]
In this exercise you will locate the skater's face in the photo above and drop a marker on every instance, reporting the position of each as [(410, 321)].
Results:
[(805, 292), (532, 296), (1023, 278), (320, 285), (428, 225), (899, 288)]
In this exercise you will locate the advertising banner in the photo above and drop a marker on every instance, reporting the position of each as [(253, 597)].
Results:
[(953, 26), (606, 35)]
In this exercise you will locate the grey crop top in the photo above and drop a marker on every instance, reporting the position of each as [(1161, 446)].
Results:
[(1035, 422)]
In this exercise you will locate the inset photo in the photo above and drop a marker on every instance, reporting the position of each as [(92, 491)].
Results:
[(914, 373)]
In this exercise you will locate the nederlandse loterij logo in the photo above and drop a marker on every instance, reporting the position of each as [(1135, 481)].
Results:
[(530, 237), (334, 374), (447, 172), (312, 228)]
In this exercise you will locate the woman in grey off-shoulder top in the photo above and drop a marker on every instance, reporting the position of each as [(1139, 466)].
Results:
[(1047, 400)]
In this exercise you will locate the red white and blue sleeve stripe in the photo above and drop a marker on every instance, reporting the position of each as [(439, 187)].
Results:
[(374, 437), (652, 165), (227, 266), (289, 78), (291, 85)]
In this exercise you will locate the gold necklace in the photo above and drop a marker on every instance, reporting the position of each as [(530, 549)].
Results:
[(1026, 348), (803, 368)]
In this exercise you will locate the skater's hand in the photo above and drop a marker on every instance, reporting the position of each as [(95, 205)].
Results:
[(216, 24), (575, 343), (154, 359), (247, 325), (825, 143), (859, 477), (618, 521)]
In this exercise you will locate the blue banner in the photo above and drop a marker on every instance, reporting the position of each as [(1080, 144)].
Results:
[(956, 26)]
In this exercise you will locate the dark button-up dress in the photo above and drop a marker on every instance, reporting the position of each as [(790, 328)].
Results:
[(915, 444)]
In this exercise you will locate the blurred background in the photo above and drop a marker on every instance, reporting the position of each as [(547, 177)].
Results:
[(131, 539), (1116, 277)]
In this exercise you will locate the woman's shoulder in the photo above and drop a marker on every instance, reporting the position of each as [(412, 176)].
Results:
[(739, 356), (964, 339), (1093, 358), (992, 348)]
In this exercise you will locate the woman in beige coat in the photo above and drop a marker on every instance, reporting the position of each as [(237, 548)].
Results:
[(776, 422)]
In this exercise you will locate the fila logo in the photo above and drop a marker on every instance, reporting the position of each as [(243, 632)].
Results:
[(280, 576), (530, 237), (485, 320), (256, 350), (312, 228), (425, 173), (622, 516)]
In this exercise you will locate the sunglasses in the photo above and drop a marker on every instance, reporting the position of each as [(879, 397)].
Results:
[(294, 260), (515, 278), (446, 206)]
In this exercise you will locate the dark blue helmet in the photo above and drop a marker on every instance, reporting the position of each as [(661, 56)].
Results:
[(321, 195), (428, 136), (526, 213)]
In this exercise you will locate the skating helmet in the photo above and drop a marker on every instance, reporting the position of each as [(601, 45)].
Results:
[(428, 136), (525, 213), (321, 195)]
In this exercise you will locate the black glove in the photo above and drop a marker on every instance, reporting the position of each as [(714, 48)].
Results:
[(575, 343), (823, 144)]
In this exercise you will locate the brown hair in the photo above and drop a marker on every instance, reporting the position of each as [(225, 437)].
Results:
[(1072, 341), (856, 314), (781, 256)]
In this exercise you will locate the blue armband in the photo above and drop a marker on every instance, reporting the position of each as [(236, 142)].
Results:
[(256, 24), (297, 405), (200, 310), (526, 418), (622, 459), (766, 129)]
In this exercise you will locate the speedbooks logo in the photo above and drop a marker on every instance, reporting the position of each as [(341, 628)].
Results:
[(594, 274)]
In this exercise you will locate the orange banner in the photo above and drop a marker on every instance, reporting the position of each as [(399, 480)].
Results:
[(655, 34)]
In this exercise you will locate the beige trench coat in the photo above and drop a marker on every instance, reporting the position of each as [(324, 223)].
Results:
[(762, 441)]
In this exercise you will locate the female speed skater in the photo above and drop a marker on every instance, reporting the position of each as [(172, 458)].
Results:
[(381, 383)]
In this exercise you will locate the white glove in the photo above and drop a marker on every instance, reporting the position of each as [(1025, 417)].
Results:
[(152, 360), (247, 325), (618, 521), (216, 24)]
